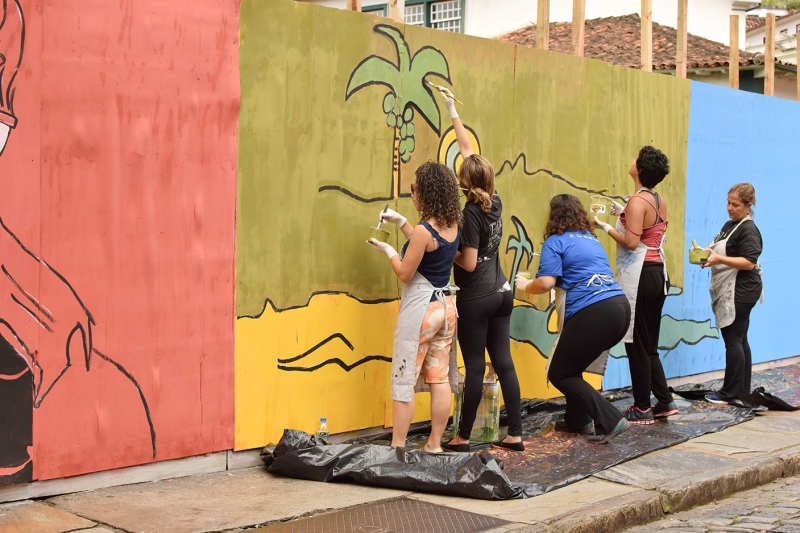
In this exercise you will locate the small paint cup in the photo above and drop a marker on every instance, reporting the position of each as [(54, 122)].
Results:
[(526, 275), (600, 206), (698, 256), (379, 234)]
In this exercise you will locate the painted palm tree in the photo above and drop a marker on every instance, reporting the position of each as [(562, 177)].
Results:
[(521, 245), (407, 92)]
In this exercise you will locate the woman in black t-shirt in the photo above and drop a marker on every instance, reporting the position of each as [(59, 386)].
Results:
[(735, 288), (485, 299)]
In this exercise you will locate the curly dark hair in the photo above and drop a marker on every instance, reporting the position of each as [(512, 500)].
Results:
[(567, 214), (436, 189), (652, 165)]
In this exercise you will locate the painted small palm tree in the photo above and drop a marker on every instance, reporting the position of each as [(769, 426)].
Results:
[(407, 92), (521, 245)]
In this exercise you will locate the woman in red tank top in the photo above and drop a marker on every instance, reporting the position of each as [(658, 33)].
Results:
[(643, 277)]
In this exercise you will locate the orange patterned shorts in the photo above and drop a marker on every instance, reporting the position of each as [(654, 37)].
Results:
[(436, 341)]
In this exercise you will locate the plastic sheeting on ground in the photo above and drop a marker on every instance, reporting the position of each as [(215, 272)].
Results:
[(472, 475), (551, 458), (777, 389)]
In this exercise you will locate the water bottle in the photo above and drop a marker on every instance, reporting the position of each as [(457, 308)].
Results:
[(322, 431)]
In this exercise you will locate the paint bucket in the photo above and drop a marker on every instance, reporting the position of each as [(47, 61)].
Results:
[(486, 427), (697, 255), (600, 206), (380, 235)]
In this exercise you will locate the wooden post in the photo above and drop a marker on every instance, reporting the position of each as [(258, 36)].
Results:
[(543, 25), (733, 59), (647, 35), (769, 56), (354, 5), (680, 47), (578, 26), (397, 9)]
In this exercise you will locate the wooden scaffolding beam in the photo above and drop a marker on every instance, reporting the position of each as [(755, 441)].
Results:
[(647, 35), (543, 25), (578, 26), (769, 56), (733, 59), (681, 45)]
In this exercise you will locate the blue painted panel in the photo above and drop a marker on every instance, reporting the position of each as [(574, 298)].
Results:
[(735, 136)]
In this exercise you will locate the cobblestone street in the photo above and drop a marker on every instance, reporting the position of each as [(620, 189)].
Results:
[(772, 508)]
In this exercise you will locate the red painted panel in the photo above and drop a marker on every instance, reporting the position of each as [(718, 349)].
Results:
[(130, 206)]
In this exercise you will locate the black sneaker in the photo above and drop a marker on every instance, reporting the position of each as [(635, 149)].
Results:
[(622, 425), (588, 429), (634, 415), (713, 398), (665, 409)]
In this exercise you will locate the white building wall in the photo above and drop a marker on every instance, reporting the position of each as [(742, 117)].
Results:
[(491, 18), (785, 43), (707, 18)]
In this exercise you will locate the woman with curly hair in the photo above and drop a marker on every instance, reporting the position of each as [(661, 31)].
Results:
[(642, 274), (426, 325), (485, 298), (593, 316)]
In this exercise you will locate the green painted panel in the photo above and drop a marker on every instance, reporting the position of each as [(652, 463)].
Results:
[(327, 96)]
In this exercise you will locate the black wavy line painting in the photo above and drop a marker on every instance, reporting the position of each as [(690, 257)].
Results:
[(524, 158), (269, 302), (333, 361)]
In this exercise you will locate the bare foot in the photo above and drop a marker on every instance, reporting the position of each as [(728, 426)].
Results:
[(511, 439)]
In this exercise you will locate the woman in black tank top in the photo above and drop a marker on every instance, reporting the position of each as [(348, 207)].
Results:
[(485, 299)]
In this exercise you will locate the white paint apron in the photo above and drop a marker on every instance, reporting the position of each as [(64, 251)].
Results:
[(598, 366), (723, 283), (629, 268), (413, 304)]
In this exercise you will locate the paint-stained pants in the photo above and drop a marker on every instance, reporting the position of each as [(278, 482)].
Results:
[(436, 341)]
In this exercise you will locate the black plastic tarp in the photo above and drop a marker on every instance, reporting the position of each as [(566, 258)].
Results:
[(776, 389), (472, 475), (551, 459)]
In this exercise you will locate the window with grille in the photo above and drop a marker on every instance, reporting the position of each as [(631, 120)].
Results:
[(446, 15), (415, 15), (372, 10)]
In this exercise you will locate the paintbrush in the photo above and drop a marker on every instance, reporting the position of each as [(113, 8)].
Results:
[(380, 218), (445, 91)]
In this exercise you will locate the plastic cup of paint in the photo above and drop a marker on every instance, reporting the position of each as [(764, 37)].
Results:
[(526, 275), (698, 256), (379, 234), (600, 206)]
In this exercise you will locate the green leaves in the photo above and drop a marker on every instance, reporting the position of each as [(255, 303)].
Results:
[(521, 244), (406, 83)]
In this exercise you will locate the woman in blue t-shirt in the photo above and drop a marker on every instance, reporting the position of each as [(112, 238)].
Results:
[(593, 315)]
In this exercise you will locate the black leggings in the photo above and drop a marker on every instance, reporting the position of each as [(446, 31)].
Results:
[(738, 359), (586, 335), (483, 324), (646, 371)]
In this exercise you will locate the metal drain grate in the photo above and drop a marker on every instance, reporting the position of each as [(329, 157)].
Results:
[(402, 515)]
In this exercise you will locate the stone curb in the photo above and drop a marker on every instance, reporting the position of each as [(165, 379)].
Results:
[(645, 506), (705, 487), (612, 515)]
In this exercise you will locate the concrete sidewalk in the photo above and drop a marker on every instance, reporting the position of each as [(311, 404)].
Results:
[(636, 492)]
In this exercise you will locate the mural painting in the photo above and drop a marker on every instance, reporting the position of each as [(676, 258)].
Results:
[(96, 364), (317, 317)]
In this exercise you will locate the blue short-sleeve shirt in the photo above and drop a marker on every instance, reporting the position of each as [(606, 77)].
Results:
[(574, 258)]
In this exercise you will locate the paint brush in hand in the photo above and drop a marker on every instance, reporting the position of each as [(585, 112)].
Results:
[(445, 91), (380, 218)]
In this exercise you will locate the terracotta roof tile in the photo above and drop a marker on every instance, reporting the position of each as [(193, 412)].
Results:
[(617, 40), (754, 22)]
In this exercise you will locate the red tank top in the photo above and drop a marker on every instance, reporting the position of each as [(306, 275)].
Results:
[(651, 236)]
